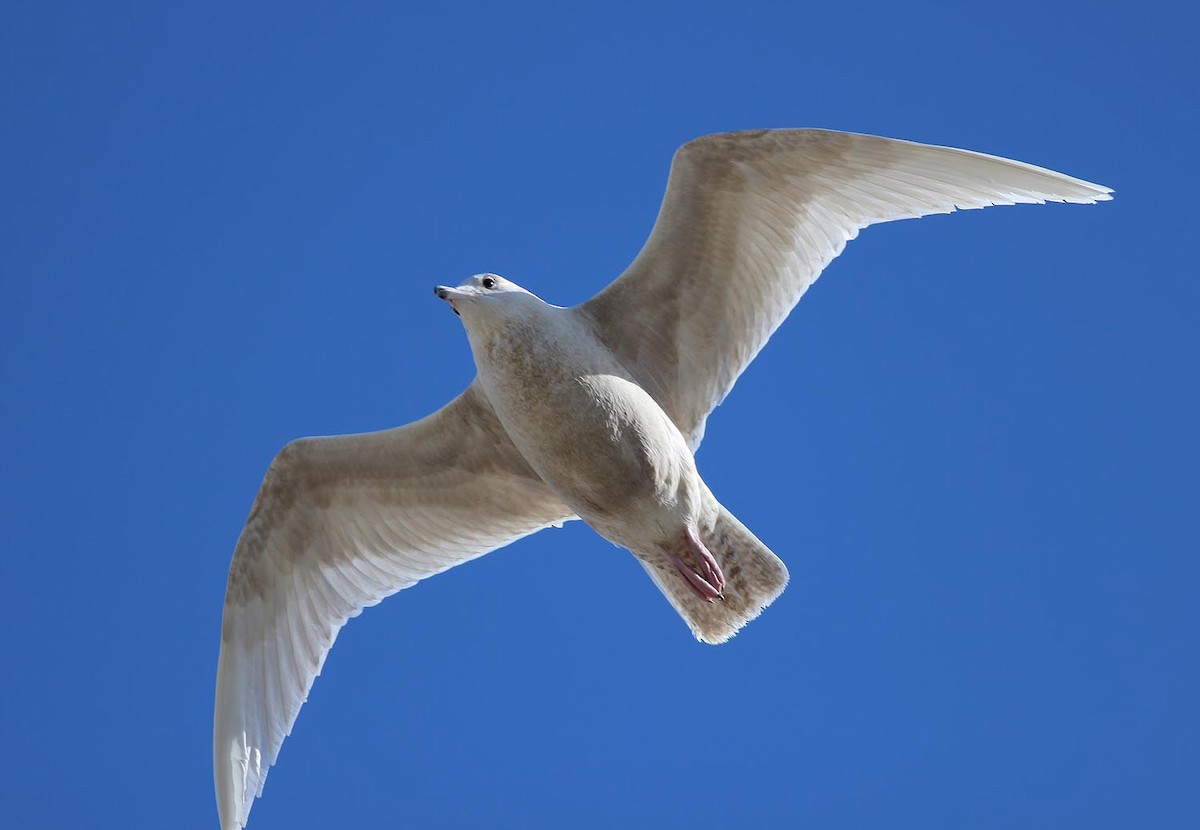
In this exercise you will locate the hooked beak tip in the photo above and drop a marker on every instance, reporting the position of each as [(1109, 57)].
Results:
[(443, 293)]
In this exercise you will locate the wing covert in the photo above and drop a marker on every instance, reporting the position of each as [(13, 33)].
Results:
[(339, 524), (748, 222)]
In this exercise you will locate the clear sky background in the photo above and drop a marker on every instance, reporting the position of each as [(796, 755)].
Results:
[(974, 442)]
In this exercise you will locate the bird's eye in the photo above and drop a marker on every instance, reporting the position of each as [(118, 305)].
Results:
[(488, 282)]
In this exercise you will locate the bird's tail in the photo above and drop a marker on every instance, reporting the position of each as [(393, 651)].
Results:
[(754, 577)]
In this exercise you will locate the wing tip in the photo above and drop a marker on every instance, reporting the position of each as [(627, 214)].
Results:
[(1083, 192)]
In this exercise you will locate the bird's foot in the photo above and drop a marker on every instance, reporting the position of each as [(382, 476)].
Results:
[(705, 580), (709, 568)]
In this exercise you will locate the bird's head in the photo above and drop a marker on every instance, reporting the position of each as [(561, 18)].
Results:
[(485, 296)]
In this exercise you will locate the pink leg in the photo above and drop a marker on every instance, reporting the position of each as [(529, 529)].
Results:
[(707, 582), (700, 587), (710, 570)]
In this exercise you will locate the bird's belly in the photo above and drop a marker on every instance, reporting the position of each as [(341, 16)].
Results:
[(601, 443)]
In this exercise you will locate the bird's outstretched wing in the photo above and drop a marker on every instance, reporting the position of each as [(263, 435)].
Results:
[(339, 524), (749, 221)]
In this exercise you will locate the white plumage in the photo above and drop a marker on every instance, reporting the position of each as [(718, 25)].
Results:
[(591, 412)]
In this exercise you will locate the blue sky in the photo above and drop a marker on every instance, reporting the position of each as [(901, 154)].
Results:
[(974, 441)]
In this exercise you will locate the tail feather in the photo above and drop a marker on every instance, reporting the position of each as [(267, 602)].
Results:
[(754, 577)]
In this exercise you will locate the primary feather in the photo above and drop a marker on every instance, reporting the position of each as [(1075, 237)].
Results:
[(339, 524)]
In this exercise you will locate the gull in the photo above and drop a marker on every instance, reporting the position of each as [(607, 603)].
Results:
[(592, 412)]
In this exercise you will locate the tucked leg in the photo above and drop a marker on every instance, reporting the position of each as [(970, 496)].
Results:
[(709, 568), (699, 585), (696, 565)]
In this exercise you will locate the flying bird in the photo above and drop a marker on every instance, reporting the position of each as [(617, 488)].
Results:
[(592, 412)]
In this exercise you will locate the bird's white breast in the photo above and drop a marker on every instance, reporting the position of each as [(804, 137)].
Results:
[(597, 438)]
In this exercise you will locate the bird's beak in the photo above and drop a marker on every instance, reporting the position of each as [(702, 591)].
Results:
[(445, 292)]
